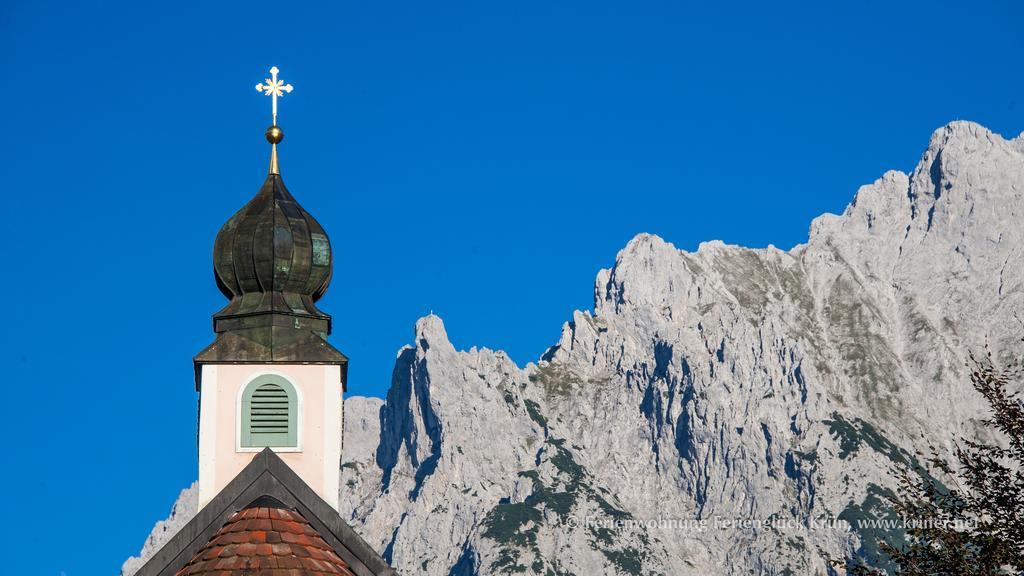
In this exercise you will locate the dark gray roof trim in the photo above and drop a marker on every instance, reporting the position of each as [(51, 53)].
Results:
[(267, 476)]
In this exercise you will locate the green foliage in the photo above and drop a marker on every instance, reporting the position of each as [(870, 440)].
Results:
[(846, 434), (533, 409), (877, 524), (508, 563), (515, 526), (564, 461), (628, 561), (975, 527), (852, 435), (511, 524), (556, 380)]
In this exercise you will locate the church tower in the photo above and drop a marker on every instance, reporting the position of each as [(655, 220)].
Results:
[(270, 379), (270, 393)]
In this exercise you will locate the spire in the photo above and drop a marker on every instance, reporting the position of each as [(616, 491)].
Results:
[(274, 87), (273, 261)]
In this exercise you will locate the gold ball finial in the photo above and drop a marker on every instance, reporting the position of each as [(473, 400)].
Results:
[(274, 135)]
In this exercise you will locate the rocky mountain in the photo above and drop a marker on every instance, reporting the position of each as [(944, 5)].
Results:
[(727, 411)]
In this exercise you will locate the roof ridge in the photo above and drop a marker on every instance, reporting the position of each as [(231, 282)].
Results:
[(267, 476)]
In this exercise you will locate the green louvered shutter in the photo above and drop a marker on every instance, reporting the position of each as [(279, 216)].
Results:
[(268, 415)]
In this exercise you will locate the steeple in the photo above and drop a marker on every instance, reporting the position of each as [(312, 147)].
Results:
[(270, 379), (273, 261), (271, 394)]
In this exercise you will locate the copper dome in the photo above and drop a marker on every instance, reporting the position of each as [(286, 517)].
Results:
[(273, 261), (272, 255)]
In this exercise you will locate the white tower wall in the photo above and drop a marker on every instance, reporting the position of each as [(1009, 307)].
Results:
[(316, 459)]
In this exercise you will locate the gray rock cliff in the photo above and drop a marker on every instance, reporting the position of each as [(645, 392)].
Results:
[(721, 411)]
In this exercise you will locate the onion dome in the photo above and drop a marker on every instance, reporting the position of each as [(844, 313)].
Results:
[(273, 261), (272, 256)]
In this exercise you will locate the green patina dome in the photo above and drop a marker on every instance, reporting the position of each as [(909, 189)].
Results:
[(272, 255), (273, 261)]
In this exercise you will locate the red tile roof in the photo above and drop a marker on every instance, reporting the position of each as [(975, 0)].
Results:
[(266, 542)]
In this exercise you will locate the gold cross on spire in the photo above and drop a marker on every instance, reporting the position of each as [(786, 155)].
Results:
[(274, 88)]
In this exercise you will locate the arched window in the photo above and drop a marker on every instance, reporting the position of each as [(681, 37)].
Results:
[(269, 414)]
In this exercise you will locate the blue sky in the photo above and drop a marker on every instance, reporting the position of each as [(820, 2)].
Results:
[(477, 159)]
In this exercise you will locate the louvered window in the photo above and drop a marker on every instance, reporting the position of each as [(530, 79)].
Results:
[(269, 414)]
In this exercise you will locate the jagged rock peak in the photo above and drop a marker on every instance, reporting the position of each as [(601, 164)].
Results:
[(961, 133), (431, 333), (726, 383)]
